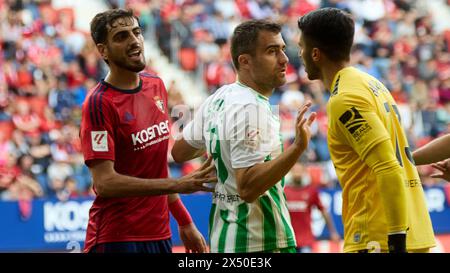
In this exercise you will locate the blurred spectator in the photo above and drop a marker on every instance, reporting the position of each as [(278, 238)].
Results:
[(58, 172), (40, 152), (217, 26), (19, 144), (5, 101), (207, 49), (24, 119), (303, 196), (9, 172), (220, 71), (61, 99), (65, 189)]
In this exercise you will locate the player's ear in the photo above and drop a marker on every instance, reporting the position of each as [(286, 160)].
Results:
[(103, 50), (315, 54), (244, 60)]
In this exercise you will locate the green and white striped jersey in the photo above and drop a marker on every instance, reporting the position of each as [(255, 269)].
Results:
[(238, 128)]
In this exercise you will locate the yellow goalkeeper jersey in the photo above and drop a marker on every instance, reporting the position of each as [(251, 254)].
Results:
[(362, 113)]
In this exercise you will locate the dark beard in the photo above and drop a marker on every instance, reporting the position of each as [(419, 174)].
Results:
[(313, 72), (128, 66), (310, 68)]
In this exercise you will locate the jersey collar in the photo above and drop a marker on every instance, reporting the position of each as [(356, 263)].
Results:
[(336, 78), (254, 91), (127, 91)]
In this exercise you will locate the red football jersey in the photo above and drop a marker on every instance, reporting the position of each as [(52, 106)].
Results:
[(131, 128), (300, 201)]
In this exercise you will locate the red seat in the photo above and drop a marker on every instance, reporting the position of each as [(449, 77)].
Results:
[(188, 59)]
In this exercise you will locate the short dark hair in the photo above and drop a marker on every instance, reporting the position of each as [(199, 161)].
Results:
[(245, 35), (329, 29), (101, 21)]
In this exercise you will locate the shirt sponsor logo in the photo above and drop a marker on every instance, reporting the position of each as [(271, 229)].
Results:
[(355, 123), (229, 198), (99, 141), (151, 135)]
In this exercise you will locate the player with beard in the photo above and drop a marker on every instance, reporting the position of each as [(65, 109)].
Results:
[(125, 134), (383, 203), (237, 127)]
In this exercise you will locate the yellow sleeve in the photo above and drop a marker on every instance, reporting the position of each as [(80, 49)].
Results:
[(353, 117), (390, 179)]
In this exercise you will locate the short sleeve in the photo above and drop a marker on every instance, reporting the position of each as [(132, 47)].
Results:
[(193, 132), (248, 130), (97, 132), (354, 119)]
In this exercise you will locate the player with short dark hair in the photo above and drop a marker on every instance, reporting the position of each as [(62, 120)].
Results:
[(125, 133), (383, 200), (244, 37), (237, 127)]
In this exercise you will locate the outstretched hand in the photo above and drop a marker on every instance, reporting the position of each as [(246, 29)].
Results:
[(202, 179), (444, 168), (303, 126)]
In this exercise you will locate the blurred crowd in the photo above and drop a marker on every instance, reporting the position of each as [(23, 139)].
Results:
[(397, 41), (47, 67)]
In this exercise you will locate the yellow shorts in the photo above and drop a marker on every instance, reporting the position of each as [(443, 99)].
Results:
[(420, 250)]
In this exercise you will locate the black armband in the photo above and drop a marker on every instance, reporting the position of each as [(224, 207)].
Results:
[(397, 243)]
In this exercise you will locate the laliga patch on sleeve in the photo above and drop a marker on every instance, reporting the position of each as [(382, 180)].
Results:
[(99, 141), (252, 138)]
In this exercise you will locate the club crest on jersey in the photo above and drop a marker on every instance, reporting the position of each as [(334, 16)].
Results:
[(99, 141), (159, 103)]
